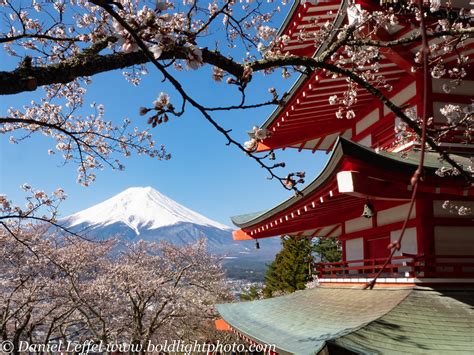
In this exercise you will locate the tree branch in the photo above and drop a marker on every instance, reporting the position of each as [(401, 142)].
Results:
[(89, 63)]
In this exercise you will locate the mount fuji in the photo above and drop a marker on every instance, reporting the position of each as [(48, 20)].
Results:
[(143, 213)]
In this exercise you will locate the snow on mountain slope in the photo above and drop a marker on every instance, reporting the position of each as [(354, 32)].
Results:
[(140, 208)]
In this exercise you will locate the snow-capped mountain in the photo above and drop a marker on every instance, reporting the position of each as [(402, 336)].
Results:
[(140, 208), (144, 213)]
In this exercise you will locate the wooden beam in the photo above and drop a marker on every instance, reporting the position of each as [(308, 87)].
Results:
[(241, 235), (335, 228), (400, 56)]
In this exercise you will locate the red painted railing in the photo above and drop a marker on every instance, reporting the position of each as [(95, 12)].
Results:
[(438, 266)]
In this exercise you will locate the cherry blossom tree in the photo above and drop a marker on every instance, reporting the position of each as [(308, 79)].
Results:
[(31, 307), (67, 289), (146, 293), (166, 290)]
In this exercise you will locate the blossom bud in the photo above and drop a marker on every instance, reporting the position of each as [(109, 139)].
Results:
[(143, 111)]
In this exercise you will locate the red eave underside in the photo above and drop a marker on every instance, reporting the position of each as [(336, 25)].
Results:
[(308, 115)]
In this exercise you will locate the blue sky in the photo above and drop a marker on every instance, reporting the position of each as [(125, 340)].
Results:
[(204, 174)]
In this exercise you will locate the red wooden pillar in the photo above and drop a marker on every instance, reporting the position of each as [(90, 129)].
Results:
[(425, 227), (424, 234), (344, 258)]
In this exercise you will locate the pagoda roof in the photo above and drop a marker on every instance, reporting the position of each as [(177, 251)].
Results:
[(364, 321), (308, 120), (352, 174), (407, 162), (308, 16)]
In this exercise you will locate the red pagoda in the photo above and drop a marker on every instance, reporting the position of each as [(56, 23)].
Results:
[(362, 197)]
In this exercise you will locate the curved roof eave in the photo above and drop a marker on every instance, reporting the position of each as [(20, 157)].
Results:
[(301, 79), (288, 17)]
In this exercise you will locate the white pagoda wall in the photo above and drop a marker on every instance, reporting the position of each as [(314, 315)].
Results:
[(367, 121), (401, 97), (466, 88), (358, 224), (355, 251), (367, 141), (395, 214)]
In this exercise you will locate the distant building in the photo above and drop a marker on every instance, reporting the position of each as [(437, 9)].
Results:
[(424, 298)]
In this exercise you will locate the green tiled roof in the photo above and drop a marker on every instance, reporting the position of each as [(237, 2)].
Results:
[(243, 218), (302, 322), (385, 160), (406, 159), (425, 322), (379, 321)]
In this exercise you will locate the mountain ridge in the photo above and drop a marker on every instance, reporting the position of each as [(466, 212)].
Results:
[(143, 213)]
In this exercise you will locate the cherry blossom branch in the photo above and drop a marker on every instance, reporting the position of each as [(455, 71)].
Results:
[(46, 221), (15, 236), (209, 21), (91, 142), (336, 45), (90, 63), (15, 219), (187, 98), (32, 78), (37, 36), (467, 119), (245, 107)]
